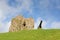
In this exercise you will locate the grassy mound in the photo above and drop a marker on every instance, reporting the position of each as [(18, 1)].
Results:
[(53, 34)]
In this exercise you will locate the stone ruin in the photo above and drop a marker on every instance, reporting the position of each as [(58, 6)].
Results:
[(20, 23)]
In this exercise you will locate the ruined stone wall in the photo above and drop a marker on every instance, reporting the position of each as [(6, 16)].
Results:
[(20, 23), (30, 23)]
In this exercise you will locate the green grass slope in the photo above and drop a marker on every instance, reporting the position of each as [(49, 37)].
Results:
[(32, 35)]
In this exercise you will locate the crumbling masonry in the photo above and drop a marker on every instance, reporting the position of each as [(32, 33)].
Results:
[(20, 23)]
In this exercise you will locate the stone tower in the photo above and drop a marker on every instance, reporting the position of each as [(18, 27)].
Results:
[(20, 23)]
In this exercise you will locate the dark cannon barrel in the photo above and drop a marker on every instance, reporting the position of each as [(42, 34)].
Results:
[(40, 25)]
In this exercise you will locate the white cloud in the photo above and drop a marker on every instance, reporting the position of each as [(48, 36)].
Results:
[(6, 10), (9, 9), (1, 15), (5, 27), (55, 25)]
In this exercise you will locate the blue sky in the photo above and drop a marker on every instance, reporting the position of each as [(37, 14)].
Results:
[(46, 10)]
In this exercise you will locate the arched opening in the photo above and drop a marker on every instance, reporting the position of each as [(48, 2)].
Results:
[(24, 24)]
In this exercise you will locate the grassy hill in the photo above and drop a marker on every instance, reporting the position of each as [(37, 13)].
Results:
[(53, 34)]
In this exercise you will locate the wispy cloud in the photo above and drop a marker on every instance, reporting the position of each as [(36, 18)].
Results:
[(55, 25), (5, 27)]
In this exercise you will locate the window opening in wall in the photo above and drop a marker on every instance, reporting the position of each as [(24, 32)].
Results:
[(24, 24)]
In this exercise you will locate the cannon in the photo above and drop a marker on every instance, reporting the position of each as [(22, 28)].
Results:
[(40, 25)]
